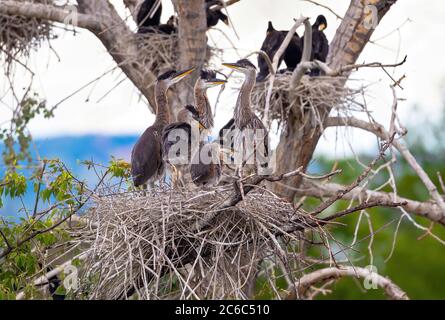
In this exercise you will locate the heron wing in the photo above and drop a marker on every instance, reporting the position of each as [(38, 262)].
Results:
[(174, 133), (146, 157)]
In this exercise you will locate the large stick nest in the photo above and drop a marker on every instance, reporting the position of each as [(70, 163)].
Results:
[(19, 35), (181, 244), (313, 94)]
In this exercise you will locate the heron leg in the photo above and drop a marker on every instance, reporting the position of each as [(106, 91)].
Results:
[(181, 179), (239, 175), (176, 176)]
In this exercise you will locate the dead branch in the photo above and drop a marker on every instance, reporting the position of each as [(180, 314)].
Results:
[(323, 275), (325, 7), (356, 183), (423, 209), (299, 71), (101, 19), (380, 132)]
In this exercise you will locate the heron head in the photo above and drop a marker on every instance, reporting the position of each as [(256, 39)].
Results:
[(321, 22), (171, 77), (208, 79), (243, 65)]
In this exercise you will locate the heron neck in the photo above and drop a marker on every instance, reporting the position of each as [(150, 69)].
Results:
[(242, 109), (162, 108), (203, 107)]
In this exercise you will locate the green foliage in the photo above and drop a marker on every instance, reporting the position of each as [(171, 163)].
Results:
[(17, 134), (13, 186), (55, 187), (119, 168), (416, 264), (23, 261)]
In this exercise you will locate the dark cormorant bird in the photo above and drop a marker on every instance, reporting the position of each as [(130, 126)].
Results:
[(271, 44), (320, 44), (170, 27), (294, 52), (143, 20), (213, 16), (147, 165), (153, 25)]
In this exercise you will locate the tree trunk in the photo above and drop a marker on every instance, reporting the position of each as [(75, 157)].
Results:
[(300, 138), (192, 44)]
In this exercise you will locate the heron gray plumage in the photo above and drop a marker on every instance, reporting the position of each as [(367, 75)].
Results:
[(182, 131), (147, 165), (250, 130)]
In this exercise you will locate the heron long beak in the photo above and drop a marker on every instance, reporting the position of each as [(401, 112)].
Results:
[(182, 74), (216, 81), (201, 126), (226, 21), (235, 66), (322, 26)]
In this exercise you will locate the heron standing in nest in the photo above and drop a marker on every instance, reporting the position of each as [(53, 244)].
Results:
[(251, 136), (147, 165), (183, 133)]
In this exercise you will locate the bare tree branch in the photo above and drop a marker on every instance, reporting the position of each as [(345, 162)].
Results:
[(380, 132), (423, 209), (99, 17), (299, 71), (323, 275)]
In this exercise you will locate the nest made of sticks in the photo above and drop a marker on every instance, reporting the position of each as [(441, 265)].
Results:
[(180, 244), (313, 94), (19, 35), (160, 51)]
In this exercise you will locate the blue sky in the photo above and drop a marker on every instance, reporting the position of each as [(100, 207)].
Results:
[(123, 112)]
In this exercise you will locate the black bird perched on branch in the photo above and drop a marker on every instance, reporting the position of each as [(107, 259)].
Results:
[(147, 165), (247, 124), (149, 19), (271, 44), (320, 44), (215, 15), (149, 15), (170, 27)]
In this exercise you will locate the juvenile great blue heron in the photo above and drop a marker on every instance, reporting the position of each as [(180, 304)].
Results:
[(320, 44), (182, 131), (147, 165), (205, 169), (246, 122), (271, 44)]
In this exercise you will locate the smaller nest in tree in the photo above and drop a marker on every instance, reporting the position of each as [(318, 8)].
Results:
[(160, 51), (19, 35), (313, 94), (171, 244)]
